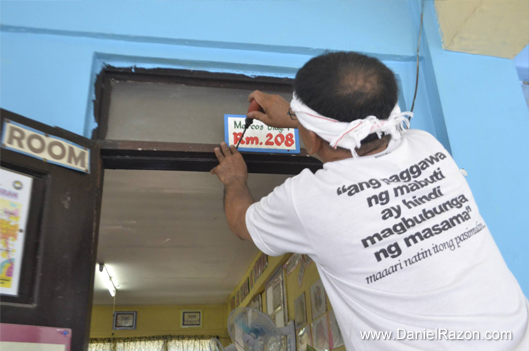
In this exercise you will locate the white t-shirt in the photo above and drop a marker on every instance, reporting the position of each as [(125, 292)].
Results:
[(400, 247)]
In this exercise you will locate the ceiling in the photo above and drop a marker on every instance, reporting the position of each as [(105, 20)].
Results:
[(165, 240), (485, 27)]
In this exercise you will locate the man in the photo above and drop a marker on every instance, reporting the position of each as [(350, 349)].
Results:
[(390, 221)]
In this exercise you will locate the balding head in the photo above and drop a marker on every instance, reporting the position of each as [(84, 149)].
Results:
[(347, 86)]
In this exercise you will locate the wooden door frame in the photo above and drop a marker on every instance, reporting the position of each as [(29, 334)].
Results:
[(64, 246), (150, 155)]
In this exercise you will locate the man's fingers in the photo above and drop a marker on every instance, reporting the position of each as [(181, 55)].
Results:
[(213, 170), (257, 115), (219, 154), (233, 149), (225, 149), (255, 95)]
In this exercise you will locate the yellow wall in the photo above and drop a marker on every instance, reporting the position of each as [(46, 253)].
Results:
[(160, 320), (165, 320)]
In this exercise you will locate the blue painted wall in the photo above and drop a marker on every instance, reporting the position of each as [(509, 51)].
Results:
[(522, 66), (52, 51), (487, 122)]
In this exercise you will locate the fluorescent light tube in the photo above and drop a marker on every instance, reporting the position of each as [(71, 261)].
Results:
[(109, 283)]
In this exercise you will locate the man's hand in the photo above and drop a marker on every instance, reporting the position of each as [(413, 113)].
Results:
[(276, 110), (231, 168), (233, 173)]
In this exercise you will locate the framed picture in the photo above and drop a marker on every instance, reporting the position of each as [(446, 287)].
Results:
[(191, 319), (301, 274), (245, 289), (250, 277), (259, 266), (276, 302), (320, 334), (303, 338), (256, 303), (318, 299), (292, 263), (307, 259), (124, 320), (336, 335), (300, 311)]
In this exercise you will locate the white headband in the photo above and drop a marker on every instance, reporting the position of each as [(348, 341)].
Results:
[(349, 135)]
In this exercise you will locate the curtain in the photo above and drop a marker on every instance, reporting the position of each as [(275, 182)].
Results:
[(140, 344), (155, 343), (190, 344), (100, 345)]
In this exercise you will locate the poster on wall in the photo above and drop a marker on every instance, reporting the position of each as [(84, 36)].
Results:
[(276, 302), (15, 196), (304, 338), (18, 337), (259, 266), (320, 334), (318, 299), (292, 263), (300, 311), (256, 303)]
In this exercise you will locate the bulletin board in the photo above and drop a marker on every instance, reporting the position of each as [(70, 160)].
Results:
[(15, 196), (22, 198), (18, 337)]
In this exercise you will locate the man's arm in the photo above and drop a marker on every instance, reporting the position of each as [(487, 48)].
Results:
[(237, 199), (233, 174), (232, 170)]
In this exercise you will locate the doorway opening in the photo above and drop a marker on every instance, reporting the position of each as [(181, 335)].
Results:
[(162, 231)]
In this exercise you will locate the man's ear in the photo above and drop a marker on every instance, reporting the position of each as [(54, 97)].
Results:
[(315, 141)]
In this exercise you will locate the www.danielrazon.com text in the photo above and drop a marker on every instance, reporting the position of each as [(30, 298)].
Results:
[(436, 334)]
